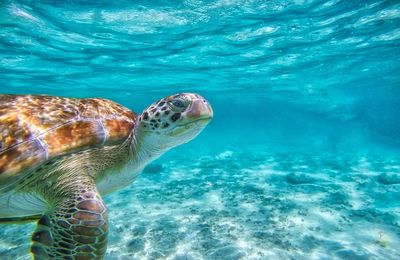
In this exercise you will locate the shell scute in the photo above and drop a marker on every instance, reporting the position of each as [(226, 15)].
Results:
[(74, 136), (12, 130), (34, 129), (17, 159)]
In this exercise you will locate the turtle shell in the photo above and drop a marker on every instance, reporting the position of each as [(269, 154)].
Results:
[(35, 129)]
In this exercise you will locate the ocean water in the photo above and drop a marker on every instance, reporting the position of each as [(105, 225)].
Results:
[(301, 160)]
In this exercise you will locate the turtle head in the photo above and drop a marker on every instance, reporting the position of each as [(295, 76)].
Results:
[(174, 120)]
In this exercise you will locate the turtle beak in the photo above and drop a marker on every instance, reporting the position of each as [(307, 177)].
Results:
[(200, 109)]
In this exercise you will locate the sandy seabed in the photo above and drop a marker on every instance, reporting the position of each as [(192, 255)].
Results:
[(233, 205)]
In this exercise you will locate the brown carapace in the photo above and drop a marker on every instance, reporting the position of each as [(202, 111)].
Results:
[(34, 129)]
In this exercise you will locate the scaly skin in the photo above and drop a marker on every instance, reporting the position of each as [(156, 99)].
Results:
[(75, 228)]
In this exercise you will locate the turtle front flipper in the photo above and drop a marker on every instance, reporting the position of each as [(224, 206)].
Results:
[(77, 226)]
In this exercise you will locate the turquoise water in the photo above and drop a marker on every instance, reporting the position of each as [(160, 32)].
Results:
[(301, 160)]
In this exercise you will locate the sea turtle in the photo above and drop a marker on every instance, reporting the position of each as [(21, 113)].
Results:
[(59, 156)]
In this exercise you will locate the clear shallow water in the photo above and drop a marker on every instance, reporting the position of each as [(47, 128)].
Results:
[(301, 159)]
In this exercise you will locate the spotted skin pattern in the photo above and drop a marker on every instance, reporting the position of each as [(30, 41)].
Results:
[(165, 112)]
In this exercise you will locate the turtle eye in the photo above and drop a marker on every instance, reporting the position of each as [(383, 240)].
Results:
[(178, 103)]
